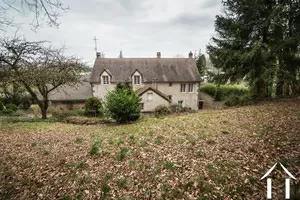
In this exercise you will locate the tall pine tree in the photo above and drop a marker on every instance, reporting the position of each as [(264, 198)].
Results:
[(250, 35), (200, 63)]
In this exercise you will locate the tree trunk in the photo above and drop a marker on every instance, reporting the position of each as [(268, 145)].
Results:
[(44, 107), (260, 85), (280, 80), (279, 88), (44, 113)]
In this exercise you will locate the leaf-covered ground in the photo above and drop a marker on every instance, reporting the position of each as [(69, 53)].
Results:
[(220, 154)]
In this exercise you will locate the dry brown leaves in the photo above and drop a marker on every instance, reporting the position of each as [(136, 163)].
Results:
[(218, 154)]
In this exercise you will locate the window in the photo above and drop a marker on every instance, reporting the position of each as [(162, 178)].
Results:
[(142, 106), (137, 80), (170, 97), (182, 88), (105, 80), (149, 96), (170, 84), (191, 87), (180, 102)]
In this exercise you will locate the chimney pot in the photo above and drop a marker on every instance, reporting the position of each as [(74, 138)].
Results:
[(190, 55), (98, 55), (158, 55)]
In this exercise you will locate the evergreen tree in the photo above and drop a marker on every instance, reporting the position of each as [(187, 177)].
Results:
[(250, 37), (200, 63)]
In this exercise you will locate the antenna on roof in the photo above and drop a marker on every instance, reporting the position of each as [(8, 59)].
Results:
[(95, 39)]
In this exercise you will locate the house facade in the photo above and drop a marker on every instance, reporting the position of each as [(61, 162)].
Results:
[(156, 80)]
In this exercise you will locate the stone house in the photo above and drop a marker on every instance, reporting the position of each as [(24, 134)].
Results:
[(156, 80)]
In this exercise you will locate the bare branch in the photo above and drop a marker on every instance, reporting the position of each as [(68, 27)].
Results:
[(36, 66), (44, 10)]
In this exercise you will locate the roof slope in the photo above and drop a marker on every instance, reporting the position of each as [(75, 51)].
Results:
[(146, 88), (81, 91), (152, 69)]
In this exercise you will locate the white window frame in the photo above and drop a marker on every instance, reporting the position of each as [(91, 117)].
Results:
[(148, 95), (180, 102), (182, 88), (135, 78), (105, 80), (191, 88)]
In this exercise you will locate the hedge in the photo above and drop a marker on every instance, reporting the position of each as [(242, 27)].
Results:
[(222, 92)]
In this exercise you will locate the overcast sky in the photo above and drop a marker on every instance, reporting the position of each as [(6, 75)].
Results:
[(139, 28)]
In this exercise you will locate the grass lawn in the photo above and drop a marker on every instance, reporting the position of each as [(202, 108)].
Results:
[(214, 154)]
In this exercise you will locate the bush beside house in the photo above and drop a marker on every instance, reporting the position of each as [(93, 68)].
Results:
[(123, 105), (163, 110), (93, 107)]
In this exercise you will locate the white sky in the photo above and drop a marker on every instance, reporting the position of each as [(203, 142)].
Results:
[(139, 28)]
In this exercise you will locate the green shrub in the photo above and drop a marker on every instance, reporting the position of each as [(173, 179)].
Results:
[(236, 100), (76, 112), (7, 111), (93, 107), (222, 92), (56, 112), (123, 105), (1, 105), (162, 110), (62, 113), (11, 106), (177, 108), (35, 109), (232, 100), (25, 103), (218, 94), (209, 89)]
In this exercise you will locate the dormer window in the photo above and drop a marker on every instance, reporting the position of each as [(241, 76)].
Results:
[(105, 80), (137, 80)]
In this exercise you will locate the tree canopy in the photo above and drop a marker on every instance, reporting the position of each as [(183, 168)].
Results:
[(38, 68), (258, 41), (200, 63)]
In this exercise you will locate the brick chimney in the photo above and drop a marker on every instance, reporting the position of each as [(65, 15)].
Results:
[(190, 55), (158, 55), (98, 55)]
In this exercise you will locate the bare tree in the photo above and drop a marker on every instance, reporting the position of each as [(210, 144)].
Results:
[(39, 69), (43, 10)]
